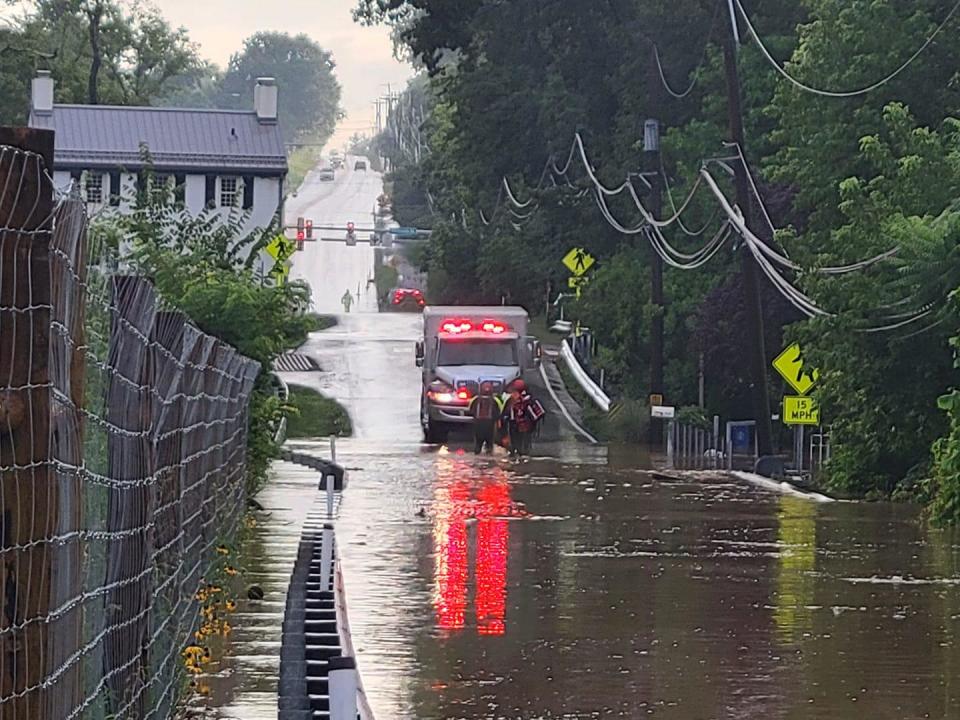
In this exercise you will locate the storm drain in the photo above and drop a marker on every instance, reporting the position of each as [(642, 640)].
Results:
[(295, 362)]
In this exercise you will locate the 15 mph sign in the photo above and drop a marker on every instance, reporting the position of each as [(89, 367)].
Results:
[(800, 410)]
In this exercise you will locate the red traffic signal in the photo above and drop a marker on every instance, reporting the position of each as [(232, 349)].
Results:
[(309, 227), (350, 227), (300, 236)]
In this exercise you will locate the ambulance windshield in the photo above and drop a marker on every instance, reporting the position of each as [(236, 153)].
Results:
[(502, 353)]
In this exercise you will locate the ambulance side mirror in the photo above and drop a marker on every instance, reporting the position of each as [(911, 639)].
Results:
[(420, 353), (533, 353)]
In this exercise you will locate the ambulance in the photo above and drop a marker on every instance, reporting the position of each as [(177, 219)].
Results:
[(461, 348)]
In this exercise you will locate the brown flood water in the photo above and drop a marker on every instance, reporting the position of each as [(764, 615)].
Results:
[(576, 586), (553, 589), (577, 590)]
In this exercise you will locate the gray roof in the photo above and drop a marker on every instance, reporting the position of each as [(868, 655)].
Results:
[(105, 136)]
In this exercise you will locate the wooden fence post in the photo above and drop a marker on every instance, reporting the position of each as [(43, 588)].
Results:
[(28, 496)]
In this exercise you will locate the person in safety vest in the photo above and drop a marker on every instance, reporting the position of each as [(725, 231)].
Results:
[(521, 413), (485, 410)]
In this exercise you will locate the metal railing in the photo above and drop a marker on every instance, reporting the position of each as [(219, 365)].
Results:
[(593, 391), (692, 447), (123, 436)]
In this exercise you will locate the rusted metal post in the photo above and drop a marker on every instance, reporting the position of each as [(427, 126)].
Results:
[(28, 514)]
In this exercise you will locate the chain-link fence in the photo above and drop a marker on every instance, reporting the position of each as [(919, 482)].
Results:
[(122, 460)]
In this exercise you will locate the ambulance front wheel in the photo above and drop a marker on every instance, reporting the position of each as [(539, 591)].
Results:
[(435, 433)]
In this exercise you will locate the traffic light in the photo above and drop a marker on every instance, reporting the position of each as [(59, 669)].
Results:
[(300, 226), (350, 227), (299, 241), (309, 229)]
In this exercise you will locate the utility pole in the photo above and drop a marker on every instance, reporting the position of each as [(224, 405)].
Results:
[(748, 266), (652, 164), (651, 156)]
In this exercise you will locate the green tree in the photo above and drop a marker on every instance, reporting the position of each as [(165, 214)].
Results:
[(98, 51), (309, 104)]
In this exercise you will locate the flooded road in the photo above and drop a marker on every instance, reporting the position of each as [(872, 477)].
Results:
[(576, 585), (327, 263), (580, 585)]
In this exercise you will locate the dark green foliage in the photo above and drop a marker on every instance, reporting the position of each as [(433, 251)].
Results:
[(844, 179), (98, 51)]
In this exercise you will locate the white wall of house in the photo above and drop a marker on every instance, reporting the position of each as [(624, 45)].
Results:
[(266, 199)]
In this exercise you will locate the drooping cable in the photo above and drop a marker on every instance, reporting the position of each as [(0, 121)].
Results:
[(673, 207), (737, 219), (842, 93), (666, 83)]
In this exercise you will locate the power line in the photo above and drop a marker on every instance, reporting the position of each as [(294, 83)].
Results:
[(835, 93), (666, 84), (693, 73)]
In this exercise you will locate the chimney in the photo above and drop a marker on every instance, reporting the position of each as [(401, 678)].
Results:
[(41, 93), (265, 100)]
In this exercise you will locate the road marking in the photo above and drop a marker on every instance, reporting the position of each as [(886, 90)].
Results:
[(563, 409)]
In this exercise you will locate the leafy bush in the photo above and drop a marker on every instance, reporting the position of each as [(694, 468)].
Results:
[(202, 266)]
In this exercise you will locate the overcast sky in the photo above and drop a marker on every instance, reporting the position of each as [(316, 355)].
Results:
[(364, 56)]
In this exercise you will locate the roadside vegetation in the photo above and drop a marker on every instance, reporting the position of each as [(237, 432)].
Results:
[(300, 162), (202, 266), (506, 87), (385, 277), (316, 415)]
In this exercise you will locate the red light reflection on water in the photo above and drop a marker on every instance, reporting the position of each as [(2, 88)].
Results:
[(450, 551), (493, 543), (455, 504)]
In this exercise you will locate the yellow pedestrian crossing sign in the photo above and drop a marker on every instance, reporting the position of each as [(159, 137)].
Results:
[(578, 261), (792, 368), (800, 410), (279, 272), (280, 248), (577, 283)]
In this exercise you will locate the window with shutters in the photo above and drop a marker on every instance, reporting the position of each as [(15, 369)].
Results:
[(93, 187), (229, 188)]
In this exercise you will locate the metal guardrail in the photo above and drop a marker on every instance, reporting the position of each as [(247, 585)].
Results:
[(283, 392), (593, 391)]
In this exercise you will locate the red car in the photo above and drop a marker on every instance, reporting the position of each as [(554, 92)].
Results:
[(407, 299)]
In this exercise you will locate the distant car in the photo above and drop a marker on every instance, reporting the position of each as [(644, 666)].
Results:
[(360, 165), (326, 174), (407, 299)]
